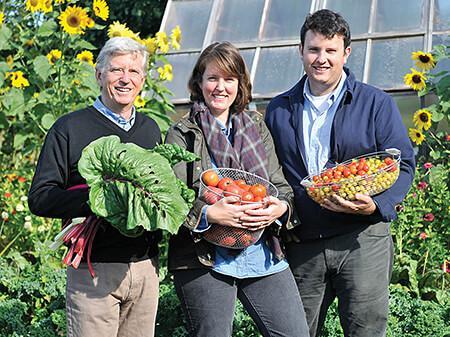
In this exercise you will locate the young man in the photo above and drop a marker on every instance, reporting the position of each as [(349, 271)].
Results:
[(341, 248), (122, 299)]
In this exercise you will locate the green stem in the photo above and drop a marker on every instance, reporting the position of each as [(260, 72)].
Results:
[(436, 138), (425, 262), (10, 244)]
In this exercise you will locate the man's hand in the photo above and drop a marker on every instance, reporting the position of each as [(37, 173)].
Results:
[(363, 204)]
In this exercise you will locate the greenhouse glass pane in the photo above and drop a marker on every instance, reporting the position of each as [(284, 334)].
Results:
[(278, 70), (407, 103), (239, 21), (391, 60), (441, 15), (445, 63), (355, 12), (182, 65), (285, 18), (357, 58), (399, 15), (192, 31), (248, 55)]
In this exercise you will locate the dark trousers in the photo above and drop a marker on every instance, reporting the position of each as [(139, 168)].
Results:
[(208, 300), (356, 268)]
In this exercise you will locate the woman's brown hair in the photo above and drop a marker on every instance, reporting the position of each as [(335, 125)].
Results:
[(229, 60)]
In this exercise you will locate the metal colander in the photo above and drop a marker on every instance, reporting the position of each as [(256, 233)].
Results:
[(226, 236)]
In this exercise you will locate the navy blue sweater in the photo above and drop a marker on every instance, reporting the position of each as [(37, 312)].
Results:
[(367, 120)]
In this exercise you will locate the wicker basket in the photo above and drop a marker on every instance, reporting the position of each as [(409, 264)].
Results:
[(381, 175), (226, 236)]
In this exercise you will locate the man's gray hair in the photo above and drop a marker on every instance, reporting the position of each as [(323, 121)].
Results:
[(120, 46)]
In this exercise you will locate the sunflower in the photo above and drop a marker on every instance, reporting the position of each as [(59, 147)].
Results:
[(46, 6), (424, 61), (119, 29), (150, 43), (416, 136), (175, 37), (415, 79), (101, 9), (165, 73), (54, 55), (90, 22), (422, 119), (86, 56), (162, 42), (33, 5), (17, 79), (60, 1), (2, 17), (9, 60), (139, 102), (74, 20)]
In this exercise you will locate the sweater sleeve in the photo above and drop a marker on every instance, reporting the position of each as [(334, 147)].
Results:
[(48, 195), (391, 133)]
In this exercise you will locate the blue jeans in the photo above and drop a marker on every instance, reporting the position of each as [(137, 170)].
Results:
[(356, 268), (208, 300)]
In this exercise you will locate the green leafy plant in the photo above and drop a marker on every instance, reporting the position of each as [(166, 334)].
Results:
[(120, 175), (47, 68)]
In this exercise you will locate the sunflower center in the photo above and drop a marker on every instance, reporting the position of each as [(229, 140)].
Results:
[(34, 3), (73, 21), (418, 134), (424, 118), (96, 9), (424, 58), (416, 79)]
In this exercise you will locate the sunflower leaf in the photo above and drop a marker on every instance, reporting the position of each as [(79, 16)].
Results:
[(132, 188)]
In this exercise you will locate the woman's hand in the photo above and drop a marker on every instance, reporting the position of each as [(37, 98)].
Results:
[(255, 219), (228, 212)]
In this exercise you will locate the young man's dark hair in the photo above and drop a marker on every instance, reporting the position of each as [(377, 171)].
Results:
[(327, 23)]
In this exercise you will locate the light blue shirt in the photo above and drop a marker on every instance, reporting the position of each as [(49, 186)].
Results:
[(318, 115), (114, 117), (254, 261)]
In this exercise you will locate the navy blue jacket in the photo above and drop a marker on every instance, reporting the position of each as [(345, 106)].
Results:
[(367, 120)]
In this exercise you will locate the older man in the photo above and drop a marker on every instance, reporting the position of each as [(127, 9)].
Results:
[(122, 299)]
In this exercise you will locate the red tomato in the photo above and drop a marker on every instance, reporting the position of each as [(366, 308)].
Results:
[(232, 190), (258, 190), (212, 195), (337, 175), (240, 182), (224, 182), (257, 199), (210, 178), (247, 196), (246, 239), (228, 241), (346, 172), (388, 160)]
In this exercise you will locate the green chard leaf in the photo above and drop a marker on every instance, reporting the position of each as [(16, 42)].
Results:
[(132, 188)]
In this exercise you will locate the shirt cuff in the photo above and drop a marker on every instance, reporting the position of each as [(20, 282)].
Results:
[(203, 225)]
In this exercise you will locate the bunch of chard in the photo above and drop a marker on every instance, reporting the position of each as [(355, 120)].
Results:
[(78, 234)]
